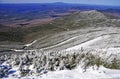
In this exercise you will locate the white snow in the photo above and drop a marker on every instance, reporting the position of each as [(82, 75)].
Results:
[(86, 44), (16, 50), (91, 73), (77, 73), (62, 42), (30, 43)]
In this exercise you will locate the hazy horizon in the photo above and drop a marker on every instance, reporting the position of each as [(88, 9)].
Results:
[(67, 3), (92, 2)]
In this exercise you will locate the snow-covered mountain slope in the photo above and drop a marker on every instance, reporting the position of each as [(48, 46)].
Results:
[(86, 53), (94, 47), (96, 37)]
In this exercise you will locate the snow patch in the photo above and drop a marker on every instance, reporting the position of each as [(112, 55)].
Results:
[(30, 43), (86, 44)]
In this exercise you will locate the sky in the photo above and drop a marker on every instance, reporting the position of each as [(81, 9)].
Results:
[(98, 2)]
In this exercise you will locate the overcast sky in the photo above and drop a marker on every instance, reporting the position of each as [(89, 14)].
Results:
[(99, 2)]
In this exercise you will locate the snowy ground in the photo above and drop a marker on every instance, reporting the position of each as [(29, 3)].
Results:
[(100, 37), (88, 43), (104, 39), (77, 73)]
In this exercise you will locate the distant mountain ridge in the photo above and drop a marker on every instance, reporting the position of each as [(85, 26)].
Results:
[(75, 20)]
